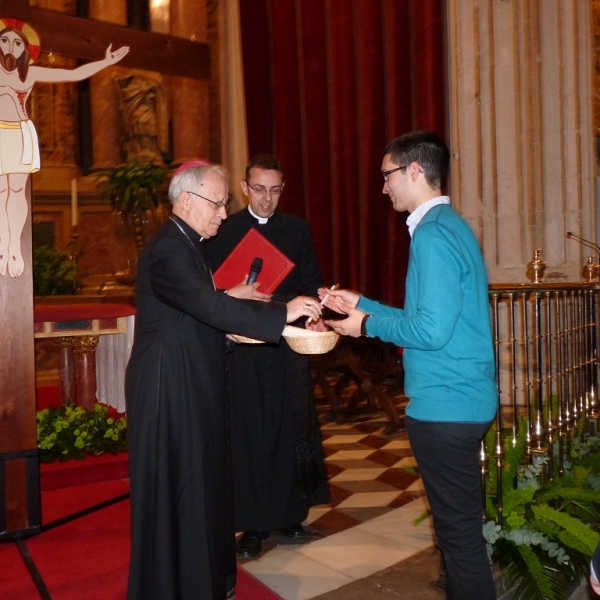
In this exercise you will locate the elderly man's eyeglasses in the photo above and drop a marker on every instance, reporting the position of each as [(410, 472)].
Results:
[(220, 204), (386, 174), (261, 190)]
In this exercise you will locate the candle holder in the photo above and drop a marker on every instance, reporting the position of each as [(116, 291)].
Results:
[(590, 270), (74, 248), (536, 267), (73, 245), (74, 204)]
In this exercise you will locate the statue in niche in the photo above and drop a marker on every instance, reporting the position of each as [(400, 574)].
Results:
[(51, 109), (144, 113), (19, 149)]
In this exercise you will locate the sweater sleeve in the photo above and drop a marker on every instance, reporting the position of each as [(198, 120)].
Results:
[(436, 290), (372, 307)]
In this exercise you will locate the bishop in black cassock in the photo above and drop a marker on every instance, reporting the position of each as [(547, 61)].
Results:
[(183, 544)]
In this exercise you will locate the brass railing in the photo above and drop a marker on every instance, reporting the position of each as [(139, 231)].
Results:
[(546, 343)]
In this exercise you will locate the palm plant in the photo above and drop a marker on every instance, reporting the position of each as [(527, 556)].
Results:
[(132, 186)]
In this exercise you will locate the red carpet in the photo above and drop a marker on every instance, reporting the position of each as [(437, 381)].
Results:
[(92, 469), (88, 558)]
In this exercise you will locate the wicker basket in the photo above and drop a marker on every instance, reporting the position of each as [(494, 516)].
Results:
[(241, 339), (305, 341)]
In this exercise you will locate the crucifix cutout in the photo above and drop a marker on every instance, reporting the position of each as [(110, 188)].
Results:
[(87, 40), (19, 151)]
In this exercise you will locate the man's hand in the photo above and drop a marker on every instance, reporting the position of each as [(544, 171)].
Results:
[(303, 306), (248, 292), (351, 325), (318, 325), (339, 300)]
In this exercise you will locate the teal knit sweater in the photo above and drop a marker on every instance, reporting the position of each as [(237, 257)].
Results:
[(445, 327)]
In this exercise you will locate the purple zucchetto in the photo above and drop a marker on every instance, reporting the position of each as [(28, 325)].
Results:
[(188, 165)]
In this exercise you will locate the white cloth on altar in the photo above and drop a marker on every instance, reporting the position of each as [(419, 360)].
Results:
[(112, 356)]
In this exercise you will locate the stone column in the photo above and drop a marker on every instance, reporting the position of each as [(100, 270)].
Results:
[(191, 114), (521, 132), (234, 137), (106, 120)]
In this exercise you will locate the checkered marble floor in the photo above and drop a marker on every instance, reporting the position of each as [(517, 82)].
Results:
[(366, 473), (368, 525)]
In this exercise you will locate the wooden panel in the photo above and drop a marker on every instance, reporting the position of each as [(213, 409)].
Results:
[(16, 495), (17, 9), (17, 394), (50, 329), (87, 40)]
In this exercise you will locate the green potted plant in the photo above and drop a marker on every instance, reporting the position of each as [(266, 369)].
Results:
[(133, 190), (133, 186), (54, 272), (71, 431)]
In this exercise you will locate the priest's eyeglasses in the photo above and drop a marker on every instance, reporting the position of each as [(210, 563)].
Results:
[(261, 190), (386, 174), (220, 204)]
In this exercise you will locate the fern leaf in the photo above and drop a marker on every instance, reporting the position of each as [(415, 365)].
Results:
[(589, 538), (546, 581)]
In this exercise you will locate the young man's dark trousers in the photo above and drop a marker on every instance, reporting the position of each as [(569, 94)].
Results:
[(447, 456)]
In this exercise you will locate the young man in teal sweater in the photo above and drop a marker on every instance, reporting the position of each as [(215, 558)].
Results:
[(445, 331)]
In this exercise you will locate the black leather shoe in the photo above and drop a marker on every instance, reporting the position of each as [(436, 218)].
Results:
[(293, 531), (230, 594), (250, 544)]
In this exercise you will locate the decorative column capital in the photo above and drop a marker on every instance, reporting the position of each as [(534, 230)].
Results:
[(84, 344)]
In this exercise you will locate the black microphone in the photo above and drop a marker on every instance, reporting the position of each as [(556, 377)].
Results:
[(255, 268), (584, 242)]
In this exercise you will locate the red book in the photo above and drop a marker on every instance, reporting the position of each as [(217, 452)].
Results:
[(235, 268)]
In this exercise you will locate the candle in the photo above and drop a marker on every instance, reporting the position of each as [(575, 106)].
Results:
[(74, 210)]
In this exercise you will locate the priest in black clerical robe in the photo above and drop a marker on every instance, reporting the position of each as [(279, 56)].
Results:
[(183, 536), (278, 463)]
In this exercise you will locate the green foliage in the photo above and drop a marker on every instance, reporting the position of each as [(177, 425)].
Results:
[(72, 432), (514, 452), (581, 537), (550, 528), (585, 450), (132, 186), (544, 582), (410, 469), (54, 272)]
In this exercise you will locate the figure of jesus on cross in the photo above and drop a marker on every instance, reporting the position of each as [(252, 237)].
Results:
[(19, 150)]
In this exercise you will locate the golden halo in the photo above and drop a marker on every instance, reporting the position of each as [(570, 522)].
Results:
[(31, 35)]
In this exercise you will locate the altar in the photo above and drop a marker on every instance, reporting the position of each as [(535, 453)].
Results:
[(95, 344)]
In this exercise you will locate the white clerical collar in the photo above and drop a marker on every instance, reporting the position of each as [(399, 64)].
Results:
[(415, 217), (261, 220)]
